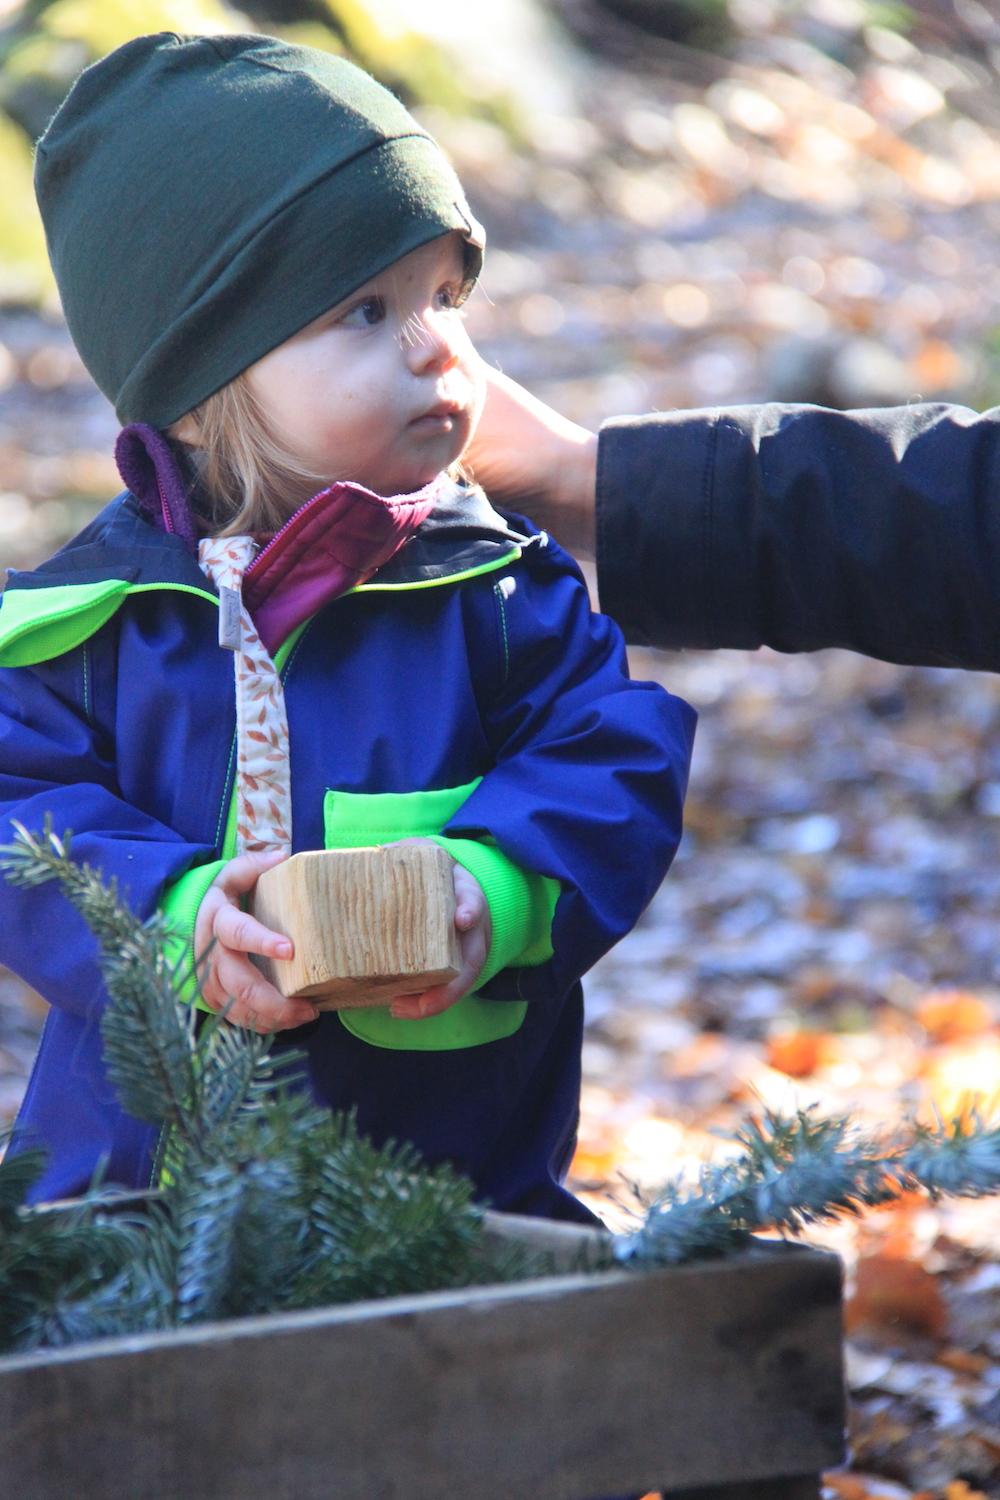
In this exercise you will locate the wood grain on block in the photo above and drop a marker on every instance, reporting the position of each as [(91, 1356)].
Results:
[(367, 924)]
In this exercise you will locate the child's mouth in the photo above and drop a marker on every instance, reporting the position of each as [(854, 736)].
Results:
[(438, 418), (433, 423)]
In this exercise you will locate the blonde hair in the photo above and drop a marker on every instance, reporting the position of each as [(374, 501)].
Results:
[(247, 479)]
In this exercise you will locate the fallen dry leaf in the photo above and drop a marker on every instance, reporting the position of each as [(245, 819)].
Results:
[(964, 1361), (797, 1053), (892, 1292), (947, 1015)]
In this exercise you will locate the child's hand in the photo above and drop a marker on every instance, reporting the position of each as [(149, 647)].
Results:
[(226, 974), (475, 932)]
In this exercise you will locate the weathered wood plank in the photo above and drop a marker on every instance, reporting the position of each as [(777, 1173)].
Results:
[(573, 1387), (806, 1487)]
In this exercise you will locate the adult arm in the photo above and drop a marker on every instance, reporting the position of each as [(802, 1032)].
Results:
[(789, 526), (799, 528)]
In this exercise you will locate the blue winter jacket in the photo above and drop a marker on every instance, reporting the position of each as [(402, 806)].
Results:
[(467, 690)]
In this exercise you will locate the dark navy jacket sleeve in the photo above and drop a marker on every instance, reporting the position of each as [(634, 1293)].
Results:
[(591, 768), (57, 759), (798, 527)]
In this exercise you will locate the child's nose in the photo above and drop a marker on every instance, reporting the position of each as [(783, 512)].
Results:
[(432, 340)]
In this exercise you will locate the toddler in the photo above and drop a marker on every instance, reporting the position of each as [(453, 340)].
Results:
[(300, 628)]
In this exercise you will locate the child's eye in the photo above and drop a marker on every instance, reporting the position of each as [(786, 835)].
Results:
[(456, 293), (365, 314)]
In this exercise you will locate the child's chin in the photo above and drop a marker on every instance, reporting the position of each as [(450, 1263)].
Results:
[(407, 483)]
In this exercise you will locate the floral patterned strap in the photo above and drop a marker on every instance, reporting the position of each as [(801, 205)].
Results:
[(263, 778)]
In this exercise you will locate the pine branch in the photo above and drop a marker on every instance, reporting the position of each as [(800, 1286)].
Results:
[(806, 1169), (18, 1175), (48, 1257), (270, 1233), (130, 1294), (383, 1224), (236, 1074), (960, 1158), (683, 1222), (792, 1172), (205, 1208), (147, 1034)]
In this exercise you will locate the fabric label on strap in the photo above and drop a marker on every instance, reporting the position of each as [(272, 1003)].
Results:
[(263, 777)]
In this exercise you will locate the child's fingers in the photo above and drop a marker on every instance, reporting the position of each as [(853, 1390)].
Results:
[(240, 931), (431, 1003), (475, 945), (242, 873), (470, 902), (250, 1000)]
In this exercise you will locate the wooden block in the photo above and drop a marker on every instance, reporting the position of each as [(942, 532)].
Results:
[(367, 924)]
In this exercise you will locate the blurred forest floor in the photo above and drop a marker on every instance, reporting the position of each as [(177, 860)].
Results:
[(811, 213)]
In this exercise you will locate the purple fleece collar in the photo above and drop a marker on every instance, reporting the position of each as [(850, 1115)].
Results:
[(149, 467), (335, 541)]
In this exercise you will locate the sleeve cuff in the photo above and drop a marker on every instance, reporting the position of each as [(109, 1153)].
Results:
[(521, 905), (179, 908), (654, 533)]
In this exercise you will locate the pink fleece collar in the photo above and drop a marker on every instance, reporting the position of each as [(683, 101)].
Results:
[(335, 541)]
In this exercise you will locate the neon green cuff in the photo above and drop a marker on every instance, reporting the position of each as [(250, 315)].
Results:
[(521, 905), (179, 905)]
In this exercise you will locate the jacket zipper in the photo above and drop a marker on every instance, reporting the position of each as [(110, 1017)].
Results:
[(168, 519), (280, 533)]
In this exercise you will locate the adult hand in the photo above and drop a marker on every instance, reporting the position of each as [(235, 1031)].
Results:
[(527, 456), (475, 933), (224, 936)]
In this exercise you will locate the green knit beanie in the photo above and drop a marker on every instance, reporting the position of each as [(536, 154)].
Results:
[(206, 197)]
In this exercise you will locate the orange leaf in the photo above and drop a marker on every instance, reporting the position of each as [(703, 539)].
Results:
[(594, 1164), (947, 1015), (958, 1489), (936, 365), (892, 1292), (797, 1053), (846, 1487), (964, 1362)]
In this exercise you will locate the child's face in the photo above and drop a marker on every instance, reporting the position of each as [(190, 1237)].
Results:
[(386, 388)]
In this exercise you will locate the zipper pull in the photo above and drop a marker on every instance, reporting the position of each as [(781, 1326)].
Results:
[(230, 619)]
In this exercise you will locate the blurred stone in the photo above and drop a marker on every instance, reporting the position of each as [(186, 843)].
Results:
[(834, 371)]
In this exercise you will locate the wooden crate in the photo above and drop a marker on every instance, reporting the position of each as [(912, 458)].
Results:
[(718, 1381)]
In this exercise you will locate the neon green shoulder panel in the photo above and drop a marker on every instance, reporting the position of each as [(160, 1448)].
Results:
[(40, 624)]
